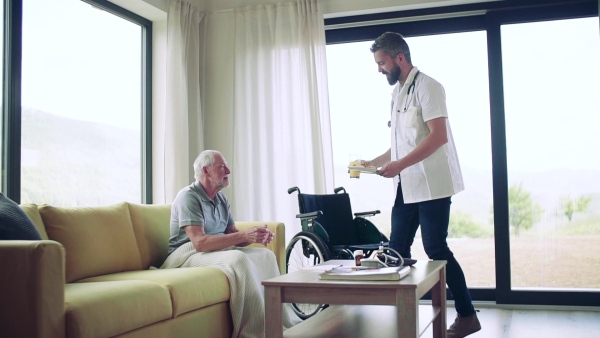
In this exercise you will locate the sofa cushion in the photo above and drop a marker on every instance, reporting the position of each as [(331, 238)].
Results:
[(97, 240), (151, 228), (31, 210), (14, 224), (190, 288), (106, 309)]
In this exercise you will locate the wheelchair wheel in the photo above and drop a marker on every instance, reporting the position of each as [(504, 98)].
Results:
[(341, 253), (306, 249)]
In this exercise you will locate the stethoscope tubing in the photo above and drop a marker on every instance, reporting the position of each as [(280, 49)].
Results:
[(411, 86)]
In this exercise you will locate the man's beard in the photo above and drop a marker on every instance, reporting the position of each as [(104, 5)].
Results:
[(223, 184), (394, 75)]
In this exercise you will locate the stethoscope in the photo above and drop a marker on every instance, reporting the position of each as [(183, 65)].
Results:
[(411, 86)]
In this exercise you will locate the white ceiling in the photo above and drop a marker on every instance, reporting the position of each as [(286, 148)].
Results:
[(156, 9)]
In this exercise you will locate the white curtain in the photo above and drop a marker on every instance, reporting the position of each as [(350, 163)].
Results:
[(282, 135), (183, 119)]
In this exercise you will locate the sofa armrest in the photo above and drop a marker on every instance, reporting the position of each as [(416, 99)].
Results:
[(32, 280), (278, 243)]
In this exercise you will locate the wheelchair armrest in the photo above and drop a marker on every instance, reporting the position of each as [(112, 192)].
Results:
[(310, 215), (367, 213)]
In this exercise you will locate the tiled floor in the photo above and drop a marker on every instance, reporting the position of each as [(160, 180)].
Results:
[(504, 322)]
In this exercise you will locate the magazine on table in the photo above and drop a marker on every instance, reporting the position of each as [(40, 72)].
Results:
[(365, 273)]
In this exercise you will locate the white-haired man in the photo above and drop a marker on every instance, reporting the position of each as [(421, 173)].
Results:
[(203, 233)]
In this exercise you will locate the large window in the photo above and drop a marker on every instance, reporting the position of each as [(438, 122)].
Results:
[(522, 94), (84, 104), (552, 110)]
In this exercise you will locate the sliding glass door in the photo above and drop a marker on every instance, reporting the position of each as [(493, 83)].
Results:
[(552, 109), (522, 93)]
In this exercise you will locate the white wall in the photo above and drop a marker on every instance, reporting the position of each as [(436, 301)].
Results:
[(335, 8)]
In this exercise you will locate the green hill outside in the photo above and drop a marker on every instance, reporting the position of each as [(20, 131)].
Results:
[(67, 162)]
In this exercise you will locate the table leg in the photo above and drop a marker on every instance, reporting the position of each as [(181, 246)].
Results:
[(438, 299), (407, 314), (273, 312)]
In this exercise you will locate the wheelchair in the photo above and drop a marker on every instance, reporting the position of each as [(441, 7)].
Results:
[(329, 231)]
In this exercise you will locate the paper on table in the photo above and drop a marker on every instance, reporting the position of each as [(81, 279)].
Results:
[(347, 273), (323, 267)]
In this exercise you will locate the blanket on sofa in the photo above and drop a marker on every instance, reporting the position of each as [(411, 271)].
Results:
[(245, 268)]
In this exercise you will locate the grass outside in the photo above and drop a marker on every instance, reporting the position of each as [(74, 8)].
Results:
[(537, 262), (566, 255)]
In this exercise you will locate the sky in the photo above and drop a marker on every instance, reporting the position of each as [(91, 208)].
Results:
[(72, 56)]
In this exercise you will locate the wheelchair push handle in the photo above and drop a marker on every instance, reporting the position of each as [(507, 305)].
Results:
[(338, 189), (292, 189)]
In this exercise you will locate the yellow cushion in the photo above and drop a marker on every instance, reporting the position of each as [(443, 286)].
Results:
[(151, 227), (107, 309), (31, 210), (190, 288), (97, 240), (209, 322)]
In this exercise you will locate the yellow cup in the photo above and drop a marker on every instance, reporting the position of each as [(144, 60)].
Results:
[(354, 173)]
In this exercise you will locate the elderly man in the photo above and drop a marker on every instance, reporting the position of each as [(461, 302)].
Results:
[(203, 233)]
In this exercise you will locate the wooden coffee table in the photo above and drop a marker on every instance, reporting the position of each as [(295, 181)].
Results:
[(348, 316)]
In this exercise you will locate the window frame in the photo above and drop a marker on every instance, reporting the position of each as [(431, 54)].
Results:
[(10, 182), (486, 17)]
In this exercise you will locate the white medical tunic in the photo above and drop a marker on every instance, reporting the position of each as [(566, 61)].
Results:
[(439, 175)]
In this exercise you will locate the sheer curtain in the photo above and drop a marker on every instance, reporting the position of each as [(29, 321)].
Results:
[(183, 133), (282, 135)]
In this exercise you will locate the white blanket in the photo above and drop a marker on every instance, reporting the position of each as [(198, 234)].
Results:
[(245, 268)]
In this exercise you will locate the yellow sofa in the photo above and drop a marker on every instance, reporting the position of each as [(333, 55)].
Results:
[(91, 275)]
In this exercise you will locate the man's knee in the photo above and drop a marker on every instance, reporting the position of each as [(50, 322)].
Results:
[(239, 257), (438, 252)]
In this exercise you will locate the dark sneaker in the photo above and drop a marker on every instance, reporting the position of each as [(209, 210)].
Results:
[(464, 326)]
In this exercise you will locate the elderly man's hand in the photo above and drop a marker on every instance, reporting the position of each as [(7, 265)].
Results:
[(259, 235)]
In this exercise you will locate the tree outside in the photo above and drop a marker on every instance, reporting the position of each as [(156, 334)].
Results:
[(523, 211), (569, 206)]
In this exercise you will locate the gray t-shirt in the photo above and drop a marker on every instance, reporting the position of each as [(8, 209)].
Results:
[(193, 207)]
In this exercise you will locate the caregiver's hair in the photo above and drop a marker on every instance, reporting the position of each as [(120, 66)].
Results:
[(392, 44)]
